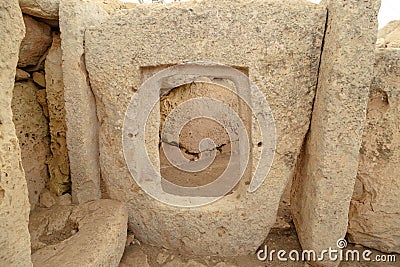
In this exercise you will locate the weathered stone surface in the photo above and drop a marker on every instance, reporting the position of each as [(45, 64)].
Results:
[(60, 181), (90, 234), (36, 42), (389, 36), (390, 27), (323, 187), (41, 98), (48, 9), (64, 200), (47, 199), (375, 209), (39, 79), (21, 75), (194, 131), (15, 246), (81, 118), (281, 52), (134, 256), (33, 134)]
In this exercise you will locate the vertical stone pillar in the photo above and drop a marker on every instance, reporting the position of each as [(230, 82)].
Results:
[(323, 186), (15, 247), (81, 117)]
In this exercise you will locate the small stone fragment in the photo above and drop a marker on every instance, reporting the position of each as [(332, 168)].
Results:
[(38, 78), (47, 199), (21, 75), (64, 200)]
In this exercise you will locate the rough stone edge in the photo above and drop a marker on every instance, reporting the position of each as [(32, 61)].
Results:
[(81, 116), (314, 179), (15, 247)]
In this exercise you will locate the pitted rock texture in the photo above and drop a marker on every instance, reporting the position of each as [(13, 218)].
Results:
[(375, 208), (48, 9), (33, 134), (279, 43), (36, 42), (60, 181), (80, 108), (90, 234), (323, 186), (15, 249)]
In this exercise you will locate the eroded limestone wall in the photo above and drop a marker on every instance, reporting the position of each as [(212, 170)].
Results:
[(15, 246), (375, 207)]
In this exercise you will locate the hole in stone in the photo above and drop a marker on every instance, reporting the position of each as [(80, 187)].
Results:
[(194, 131), (130, 135), (70, 229)]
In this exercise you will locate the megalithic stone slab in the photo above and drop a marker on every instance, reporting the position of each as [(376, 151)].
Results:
[(324, 184), (15, 247), (279, 43), (81, 118), (375, 208)]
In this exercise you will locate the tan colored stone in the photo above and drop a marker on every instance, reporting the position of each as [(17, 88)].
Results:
[(15, 246), (39, 79), (60, 181), (21, 75), (91, 234), (81, 118), (375, 208), (41, 98), (49, 9), (323, 187), (196, 130), (390, 27), (64, 200), (37, 40), (33, 134), (280, 44), (389, 36), (180, 263), (134, 256), (47, 199)]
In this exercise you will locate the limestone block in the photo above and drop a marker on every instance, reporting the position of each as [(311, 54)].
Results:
[(36, 42), (323, 186), (21, 75), (392, 40), (47, 199), (48, 9), (33, 134), (81, 118), (90, 234), (60, 181), (278, 42), (15, 248), (375, 209), (39, 79), (390, 27)]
